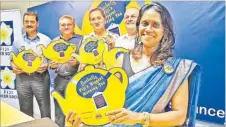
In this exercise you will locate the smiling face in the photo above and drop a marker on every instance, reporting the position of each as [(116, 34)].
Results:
[(130, 18), (97, 20), (150, 28), (66, 26), (30, 23)]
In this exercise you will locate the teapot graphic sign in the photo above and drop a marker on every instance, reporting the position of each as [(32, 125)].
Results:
[(59, 51), (93, 92), (94, 51), (90, 52), (27, 60)]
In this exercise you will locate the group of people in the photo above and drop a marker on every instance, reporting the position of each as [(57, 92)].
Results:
[(150, 39)]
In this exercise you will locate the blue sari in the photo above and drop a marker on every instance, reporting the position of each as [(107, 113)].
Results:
[(154, 91)]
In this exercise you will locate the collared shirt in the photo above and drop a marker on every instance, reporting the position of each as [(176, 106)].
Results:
[(125, 41), (65, 69), (28, 40), (24, 43)]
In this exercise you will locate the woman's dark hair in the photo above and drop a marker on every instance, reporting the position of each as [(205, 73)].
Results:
[(166, 44)]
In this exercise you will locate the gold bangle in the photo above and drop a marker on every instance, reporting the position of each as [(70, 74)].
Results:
[(146, 119)]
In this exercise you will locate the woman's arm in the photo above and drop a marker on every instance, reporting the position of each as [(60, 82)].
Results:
[(172, 118), (179, 109)]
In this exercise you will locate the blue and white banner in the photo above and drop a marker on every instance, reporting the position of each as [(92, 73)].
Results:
[(10, 30)]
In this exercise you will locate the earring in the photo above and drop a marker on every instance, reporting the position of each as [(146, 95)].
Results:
[(165, 38)]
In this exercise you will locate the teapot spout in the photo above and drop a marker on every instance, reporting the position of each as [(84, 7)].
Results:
[(13, 56), (43, 49)]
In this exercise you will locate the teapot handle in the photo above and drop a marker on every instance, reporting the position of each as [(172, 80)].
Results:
[(75, 56), (41, 59), (123, 75), (73, 46)]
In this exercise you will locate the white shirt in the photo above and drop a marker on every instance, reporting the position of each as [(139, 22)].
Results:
[(125, 41)]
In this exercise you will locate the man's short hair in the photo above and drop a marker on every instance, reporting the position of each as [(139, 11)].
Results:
[(31, 14), (66, 17), (97, 9)]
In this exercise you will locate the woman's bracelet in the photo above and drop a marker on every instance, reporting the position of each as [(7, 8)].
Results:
[(146, 119)]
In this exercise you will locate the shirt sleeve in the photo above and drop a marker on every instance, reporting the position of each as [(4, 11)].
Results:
[(116, 36), (48, 41), (14, 50), (118, 41)]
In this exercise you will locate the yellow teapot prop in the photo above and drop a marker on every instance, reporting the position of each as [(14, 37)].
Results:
[(59, 51), (94, 51), (90, 52), (93, 92), (27, 60), (110, 56)]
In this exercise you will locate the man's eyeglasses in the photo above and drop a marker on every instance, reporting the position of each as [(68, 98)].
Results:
[(64, 25)]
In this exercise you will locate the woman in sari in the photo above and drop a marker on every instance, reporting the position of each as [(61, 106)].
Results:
[(164, 96)]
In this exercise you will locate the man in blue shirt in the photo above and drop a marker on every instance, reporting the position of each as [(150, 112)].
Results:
[(38, 83), (66, 70)]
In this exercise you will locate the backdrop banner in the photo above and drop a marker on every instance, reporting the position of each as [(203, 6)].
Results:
[(10, 30)]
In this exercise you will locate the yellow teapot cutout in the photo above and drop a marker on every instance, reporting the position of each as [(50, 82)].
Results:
[(93, 92), (27, 60), (90, 52), (94, 51), (110, 56), (59, 51)]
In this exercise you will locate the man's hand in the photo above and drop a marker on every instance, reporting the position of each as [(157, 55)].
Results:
[(72, 119), (16, 69), (42, 68), (53, 64)]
